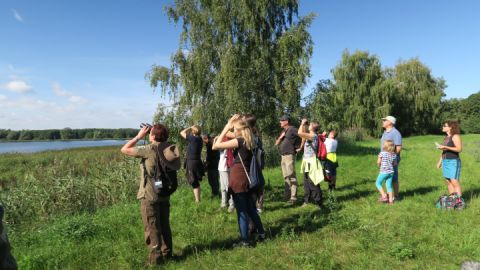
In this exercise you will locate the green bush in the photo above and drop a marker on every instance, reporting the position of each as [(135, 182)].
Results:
[(401, 251)]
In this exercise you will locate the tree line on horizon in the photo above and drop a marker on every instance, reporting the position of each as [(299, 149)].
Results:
[(67, 134)]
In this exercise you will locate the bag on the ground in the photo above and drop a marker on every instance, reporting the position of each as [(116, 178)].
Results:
[(322, 149), (449, 202)]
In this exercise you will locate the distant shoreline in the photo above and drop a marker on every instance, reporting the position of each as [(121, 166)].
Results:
[(60, 140)]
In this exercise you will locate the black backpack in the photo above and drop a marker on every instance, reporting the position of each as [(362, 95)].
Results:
[(259, 153), (254, 175), (164, 182)]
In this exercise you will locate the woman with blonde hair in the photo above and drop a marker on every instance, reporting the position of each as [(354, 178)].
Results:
[(238, 184), (194, 164)]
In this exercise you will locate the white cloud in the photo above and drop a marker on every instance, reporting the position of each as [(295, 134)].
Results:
[(18, 86), (3, 98), (17, 16), (71, 97), (78, 100), (59, 91)]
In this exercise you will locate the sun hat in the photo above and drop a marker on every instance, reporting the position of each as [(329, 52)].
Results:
[(172, 157)]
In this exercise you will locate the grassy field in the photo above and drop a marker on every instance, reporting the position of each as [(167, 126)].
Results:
[(354, 231)]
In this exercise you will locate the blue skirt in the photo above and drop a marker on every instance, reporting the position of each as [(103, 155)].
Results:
[(451, 168)]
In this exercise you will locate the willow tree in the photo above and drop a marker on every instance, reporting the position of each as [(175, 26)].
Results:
[(246, 56), (358, 95), (418, 96)]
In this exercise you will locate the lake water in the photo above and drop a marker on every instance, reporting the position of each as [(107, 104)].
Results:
[(32, 147)]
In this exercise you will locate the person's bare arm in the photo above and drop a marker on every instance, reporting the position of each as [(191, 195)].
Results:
[(398, 149), (302, 134), (230, 135), (457, 141), (280, 138), (219, 143), (379, 161), (129, 148), (439, 163), (301, 146), (184, 132)]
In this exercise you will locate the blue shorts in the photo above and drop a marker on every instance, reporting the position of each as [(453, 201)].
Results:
[(451, 168)]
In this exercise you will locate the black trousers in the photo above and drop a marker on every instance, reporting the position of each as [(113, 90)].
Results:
[(213, 180), (311, 191)]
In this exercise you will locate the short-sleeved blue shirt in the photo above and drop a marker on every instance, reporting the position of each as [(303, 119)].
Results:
[(393, 135)]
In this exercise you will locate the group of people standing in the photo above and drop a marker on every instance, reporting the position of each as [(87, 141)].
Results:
[(389, 160), (230, 154)]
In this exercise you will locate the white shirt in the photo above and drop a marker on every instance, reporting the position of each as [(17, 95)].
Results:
[(222, 163), (331, 145)]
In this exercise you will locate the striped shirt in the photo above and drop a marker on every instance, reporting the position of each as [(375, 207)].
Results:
[(387, 159)]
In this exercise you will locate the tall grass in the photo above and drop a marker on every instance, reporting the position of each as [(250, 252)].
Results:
[(50, 184), (353, 231)]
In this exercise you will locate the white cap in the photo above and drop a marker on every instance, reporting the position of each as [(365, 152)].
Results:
[(391, 119)]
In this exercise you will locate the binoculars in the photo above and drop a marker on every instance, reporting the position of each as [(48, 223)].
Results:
[(142, 125)]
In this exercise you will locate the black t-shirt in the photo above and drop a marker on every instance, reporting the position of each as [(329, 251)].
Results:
[(243, 152), (448, 154), (213, 156), (287, 146), (194, 150)]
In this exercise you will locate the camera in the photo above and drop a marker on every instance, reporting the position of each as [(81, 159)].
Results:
[(142, 125)]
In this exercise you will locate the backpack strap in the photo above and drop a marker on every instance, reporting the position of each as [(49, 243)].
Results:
[(243, 165)]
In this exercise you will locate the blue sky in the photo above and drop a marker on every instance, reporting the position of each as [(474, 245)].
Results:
[(81, 64)]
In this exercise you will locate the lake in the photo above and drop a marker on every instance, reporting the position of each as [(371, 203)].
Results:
[(39, 146)]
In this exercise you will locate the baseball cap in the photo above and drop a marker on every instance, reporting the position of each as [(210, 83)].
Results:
[(285, 118), (391, 119)]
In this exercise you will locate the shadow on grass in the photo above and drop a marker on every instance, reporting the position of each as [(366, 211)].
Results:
[(358, 194), (417, 191), (352, 185), (298, 223), (224, 244), (283, 228), (471, 194)]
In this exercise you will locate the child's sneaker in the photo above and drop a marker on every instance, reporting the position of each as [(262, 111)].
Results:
[(383, 199)]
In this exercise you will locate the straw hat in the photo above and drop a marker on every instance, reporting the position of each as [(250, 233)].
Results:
[(172, 157)]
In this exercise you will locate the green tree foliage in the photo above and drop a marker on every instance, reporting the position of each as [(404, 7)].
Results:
[(357, 93), (236, 56), (362, 92), (328, 116), (467, 111), (418, 96)]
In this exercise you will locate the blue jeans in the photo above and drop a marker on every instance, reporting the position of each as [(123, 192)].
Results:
[(246, 209), (395, 169)]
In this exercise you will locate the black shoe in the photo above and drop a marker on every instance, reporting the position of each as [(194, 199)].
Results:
[(260, 237), (242, 244)]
